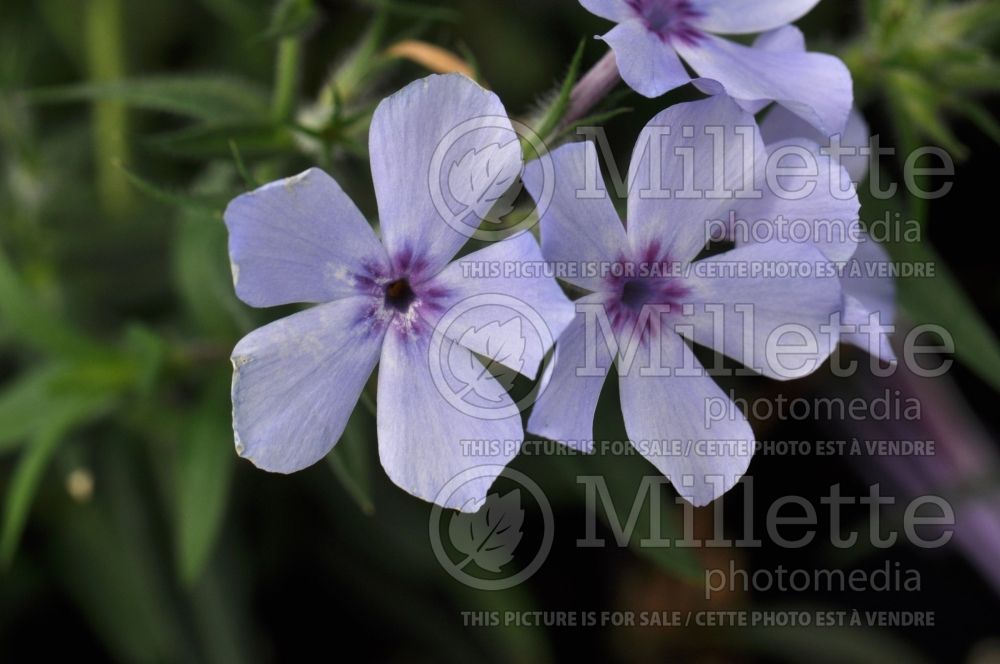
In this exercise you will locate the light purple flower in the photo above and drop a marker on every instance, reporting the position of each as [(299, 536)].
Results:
[(869, 292), (302, 240), (653, 36), (581, 227)]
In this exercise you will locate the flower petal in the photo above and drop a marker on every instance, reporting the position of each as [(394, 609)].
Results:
[(499, 297), (749, 16), (677, 168), (781, 125), (297, 381), (684, 424), (814, 201), (424, 441), (782, 40), (647, 63), (786, 311), (442, 153), (300, 239), (868, 292), (613, 10), (816, 86), (580, 226), (571, 386)]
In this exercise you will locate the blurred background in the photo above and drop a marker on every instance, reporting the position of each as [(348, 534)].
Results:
[(131, 531)]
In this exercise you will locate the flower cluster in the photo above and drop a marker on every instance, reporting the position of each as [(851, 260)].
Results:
[(449, 336)]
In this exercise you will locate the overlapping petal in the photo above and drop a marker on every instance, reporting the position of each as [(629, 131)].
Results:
[(815, 86), (805, 196), (645, 63), (777, 325), (572, 383), (502, 300), (691, 165), (869, 299)]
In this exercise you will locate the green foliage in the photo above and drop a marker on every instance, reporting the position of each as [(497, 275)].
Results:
[(928, 59), (205, 462), (123, 172), (206, 97)]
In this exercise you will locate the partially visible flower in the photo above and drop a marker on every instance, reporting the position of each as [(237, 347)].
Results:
[(869, 292), (653, 36), (302, 240), (688, 165)]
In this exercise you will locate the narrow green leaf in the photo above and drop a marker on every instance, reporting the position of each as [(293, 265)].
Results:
[(165, 195), (204, 471), (31, 324), (32, 464), (349, 459), (942, 300), (557, 109), (25, 405), (624, 478), (418, 10), (291, 17), (201, 97), (212, 140), (23, 486), (241, 167)]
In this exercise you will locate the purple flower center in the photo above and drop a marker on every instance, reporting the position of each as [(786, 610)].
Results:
[(403, 294), (399, 295), (669, 19), (643, 292)]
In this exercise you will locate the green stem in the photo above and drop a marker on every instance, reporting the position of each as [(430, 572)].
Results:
[(105, 62), (286, 83)]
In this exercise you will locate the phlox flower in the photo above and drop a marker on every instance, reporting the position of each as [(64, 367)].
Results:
[(688, 166), (654, 36), (302, 240)]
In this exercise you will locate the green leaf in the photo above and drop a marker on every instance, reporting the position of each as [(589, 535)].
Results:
[(350, 459), (201, 270), (30, 323), (165, 195), (418, 10), (942, 300), (213, 140), (204, 472), (201, 97), (25, 404), (50, 393), (107, 557), (624, 477), (33, 462), (557, 109), (291, 17)]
